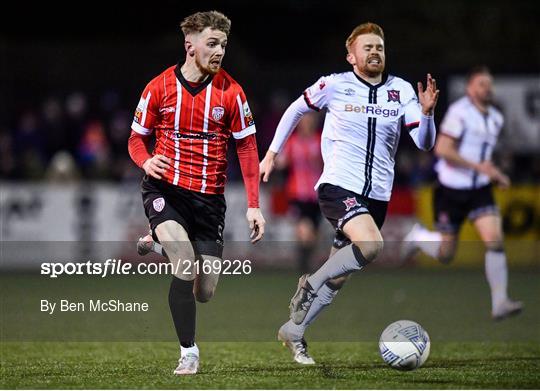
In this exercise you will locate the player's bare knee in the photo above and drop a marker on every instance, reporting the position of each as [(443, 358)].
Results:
[(370, 249), (446, 258), (447, 249), (204, 295), (447, 253)]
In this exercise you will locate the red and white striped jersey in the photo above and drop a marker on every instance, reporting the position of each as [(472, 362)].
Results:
[(303, 155), (192, 126)]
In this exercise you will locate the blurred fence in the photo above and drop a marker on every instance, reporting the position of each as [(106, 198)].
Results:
[(79, 216)]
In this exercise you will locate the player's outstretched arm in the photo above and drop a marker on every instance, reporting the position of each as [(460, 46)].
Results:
[(424, 137)]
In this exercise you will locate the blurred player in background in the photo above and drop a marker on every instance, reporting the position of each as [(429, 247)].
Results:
[(466, 172), (303, 161), (191, 110), (366, 111)]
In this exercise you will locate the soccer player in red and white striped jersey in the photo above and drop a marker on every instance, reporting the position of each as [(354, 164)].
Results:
[(302, 158), (192, 109)]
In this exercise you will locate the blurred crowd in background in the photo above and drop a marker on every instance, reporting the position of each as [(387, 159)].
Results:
[(80, 136), (69, 86)]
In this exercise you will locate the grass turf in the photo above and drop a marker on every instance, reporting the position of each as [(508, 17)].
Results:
[(468, 349), (240, 365)]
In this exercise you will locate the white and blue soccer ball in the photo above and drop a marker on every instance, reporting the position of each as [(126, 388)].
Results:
[(404, 345)]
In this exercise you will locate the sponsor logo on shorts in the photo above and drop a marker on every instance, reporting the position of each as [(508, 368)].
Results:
[(218, 112), (350, 203), (159, 204)]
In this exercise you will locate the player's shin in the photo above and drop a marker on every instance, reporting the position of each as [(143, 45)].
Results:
[(497, 276), (346, 260), (183, 311)]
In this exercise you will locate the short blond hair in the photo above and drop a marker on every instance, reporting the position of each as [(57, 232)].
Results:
[(364, 28), (199, 21)]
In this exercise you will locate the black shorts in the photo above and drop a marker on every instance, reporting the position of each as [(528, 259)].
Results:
[(201, 215), (339, 206), (452, 206), (306, 210)]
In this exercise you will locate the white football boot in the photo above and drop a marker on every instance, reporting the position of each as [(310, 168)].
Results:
[(298, 348), (187, 365), (506, 309)]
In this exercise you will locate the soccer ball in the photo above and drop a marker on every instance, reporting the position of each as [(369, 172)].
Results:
[(404, 345)]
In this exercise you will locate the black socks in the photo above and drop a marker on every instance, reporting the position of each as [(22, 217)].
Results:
[(182, 305)]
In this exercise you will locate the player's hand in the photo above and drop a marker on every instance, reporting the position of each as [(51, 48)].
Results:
[(488, 168), (428, 97), (267, 165), (256, 224), (156, 166)]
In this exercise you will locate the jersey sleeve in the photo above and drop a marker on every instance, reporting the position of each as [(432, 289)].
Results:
[(411, 109), (317, 95), (452, 124), (241, 119), (147, 111)]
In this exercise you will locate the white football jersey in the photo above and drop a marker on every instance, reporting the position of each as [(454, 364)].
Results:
[(362, 129), (477, 135)]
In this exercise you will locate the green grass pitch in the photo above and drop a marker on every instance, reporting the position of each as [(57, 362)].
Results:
[(236, 333)]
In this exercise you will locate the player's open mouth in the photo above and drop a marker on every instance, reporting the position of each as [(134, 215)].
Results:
[(374, 61)]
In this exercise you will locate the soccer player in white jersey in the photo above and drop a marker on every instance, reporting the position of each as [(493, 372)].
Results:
[(366, 112), (466, 172)]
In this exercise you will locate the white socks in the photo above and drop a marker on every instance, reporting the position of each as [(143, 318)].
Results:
[(428, 241), (325, 295), (194, 350), (497, 276)]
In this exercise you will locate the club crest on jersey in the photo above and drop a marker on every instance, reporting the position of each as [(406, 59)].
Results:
[(393, 96), (350, 203), (350, 92), (159, 204), (218, 112)]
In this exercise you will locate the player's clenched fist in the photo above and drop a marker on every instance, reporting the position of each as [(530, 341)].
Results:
[(156, 166), (256, 224)]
